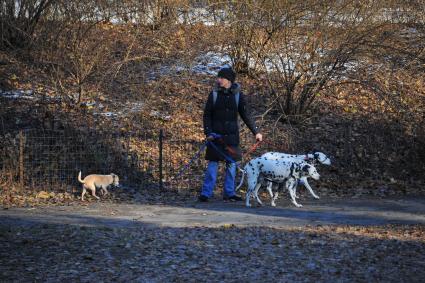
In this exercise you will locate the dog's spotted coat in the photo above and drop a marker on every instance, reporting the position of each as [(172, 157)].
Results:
[(263, 169), (311, 158)]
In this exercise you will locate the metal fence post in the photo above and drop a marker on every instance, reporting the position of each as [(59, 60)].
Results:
[(21, 159), (161, 137)]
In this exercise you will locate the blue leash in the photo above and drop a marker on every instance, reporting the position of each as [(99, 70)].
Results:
[(226, 157), (196, 156), (213, 145)]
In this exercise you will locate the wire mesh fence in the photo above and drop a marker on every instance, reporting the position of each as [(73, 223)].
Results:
[(51, 159)]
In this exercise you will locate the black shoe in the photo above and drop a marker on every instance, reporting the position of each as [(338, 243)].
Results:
[(203, 198), (233, 198)]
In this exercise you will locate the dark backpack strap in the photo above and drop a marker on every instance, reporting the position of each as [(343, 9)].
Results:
[(214, 93)]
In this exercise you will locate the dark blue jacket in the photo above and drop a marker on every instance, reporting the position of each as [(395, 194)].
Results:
[(222, 118)]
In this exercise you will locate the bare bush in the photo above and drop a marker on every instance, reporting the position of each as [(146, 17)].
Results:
[(77, 45), (91, 46), (302, 49), (19, 20)]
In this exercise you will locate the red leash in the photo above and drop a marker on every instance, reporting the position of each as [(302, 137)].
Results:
[(253, 148), (256, 145), (232, 152)]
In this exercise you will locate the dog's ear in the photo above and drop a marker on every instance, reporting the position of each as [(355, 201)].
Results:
[(306, 167), (295, 170)]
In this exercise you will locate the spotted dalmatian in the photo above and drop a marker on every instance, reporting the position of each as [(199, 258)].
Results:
[(263, 169), (312, 158)]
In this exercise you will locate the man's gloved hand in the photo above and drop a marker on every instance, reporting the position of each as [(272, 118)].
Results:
[(213, 136)]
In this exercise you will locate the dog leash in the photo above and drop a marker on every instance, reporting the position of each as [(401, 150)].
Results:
[(196, 156), (224, 155), (220, 139), (217, 149), (253, 148), (231, 150), (198, 153)]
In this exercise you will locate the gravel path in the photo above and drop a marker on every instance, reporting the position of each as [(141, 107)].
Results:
[(378, 240), (217, 213)]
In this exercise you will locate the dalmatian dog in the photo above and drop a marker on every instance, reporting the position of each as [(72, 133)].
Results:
[(262, 169), (312, 158)]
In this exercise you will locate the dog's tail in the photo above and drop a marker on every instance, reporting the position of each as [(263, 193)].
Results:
[(241, 182), (79, 178)]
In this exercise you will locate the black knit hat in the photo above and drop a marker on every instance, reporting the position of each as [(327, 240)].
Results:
[(227, 73)]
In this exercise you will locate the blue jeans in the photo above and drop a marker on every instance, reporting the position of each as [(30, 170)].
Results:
[(211, 177)]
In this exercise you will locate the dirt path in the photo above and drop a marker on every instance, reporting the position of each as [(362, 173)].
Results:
[(218, 213), (358, 240)]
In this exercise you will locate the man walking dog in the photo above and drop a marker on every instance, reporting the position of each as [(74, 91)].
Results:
[(221, 127)]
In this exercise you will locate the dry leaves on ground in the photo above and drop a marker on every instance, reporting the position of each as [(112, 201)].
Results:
[(51, 253)]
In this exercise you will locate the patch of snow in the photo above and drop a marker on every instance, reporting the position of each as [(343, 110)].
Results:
[(135, 107), (88, 103), (107, 114), (157, 114), (18, 94), (210, 63), (128, 108), (206, 64)]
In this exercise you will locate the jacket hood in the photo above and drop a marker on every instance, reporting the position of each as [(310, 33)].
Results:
[(235, 88)]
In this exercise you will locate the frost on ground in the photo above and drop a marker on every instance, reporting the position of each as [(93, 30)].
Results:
[(18, 94), (52, 253)]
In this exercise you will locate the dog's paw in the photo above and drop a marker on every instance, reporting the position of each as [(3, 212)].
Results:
[(316, 197), (273, 204), (297, 204)]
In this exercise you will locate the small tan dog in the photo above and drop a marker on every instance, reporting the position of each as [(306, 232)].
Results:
[(94, 181)]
